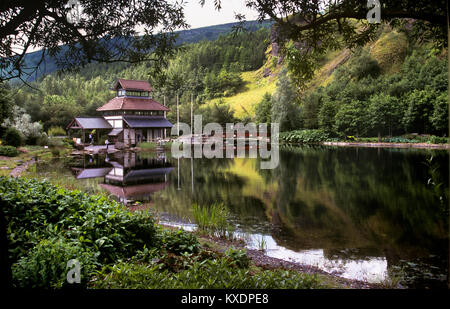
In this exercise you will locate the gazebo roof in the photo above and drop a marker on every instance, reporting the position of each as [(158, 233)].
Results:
[(89, 123), (128, 103), (147, 122), (127, 84)]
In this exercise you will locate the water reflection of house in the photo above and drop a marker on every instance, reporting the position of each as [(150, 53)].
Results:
[(129, 177)]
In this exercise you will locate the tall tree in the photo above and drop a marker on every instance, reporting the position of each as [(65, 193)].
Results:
[(5, 102), (78, 32), (263, 110), (385, 113), (285, 110)]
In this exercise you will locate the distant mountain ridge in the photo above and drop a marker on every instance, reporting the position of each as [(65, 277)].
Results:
[(209, 33)]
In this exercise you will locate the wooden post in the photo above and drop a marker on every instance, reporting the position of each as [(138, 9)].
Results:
[(165, 133), (191, 112), (178, 118)]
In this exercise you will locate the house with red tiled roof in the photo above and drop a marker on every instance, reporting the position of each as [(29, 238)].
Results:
[(133, 116)]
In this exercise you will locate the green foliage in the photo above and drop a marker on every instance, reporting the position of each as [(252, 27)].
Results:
[(219, 112), (212, 219), (397, 139), (326, 115), (439, 118), (438, 140), (285, 109), (351, 118), (419, 110), (304, 136), (363, 65), (5, 102), (362, 102), (413, 138), (37, 210), (56, 131), (223, 84), (237, 258), (206, 274), (12, 137), (310, 109), (179, 241), (385, 114), (9, 151), (147, 145), (45, 266), (264, 109)]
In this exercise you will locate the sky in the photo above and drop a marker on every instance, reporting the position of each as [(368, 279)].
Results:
[(198, 16)]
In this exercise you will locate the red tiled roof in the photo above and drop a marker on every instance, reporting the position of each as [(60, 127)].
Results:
[(128, 84), (126, 103)]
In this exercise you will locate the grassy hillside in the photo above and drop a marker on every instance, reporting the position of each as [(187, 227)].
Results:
[(255, 86)]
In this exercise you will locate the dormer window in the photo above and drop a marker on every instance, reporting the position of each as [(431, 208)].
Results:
[(121, 93)]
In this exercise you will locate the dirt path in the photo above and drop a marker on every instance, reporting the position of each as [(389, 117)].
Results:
[(17, 171)]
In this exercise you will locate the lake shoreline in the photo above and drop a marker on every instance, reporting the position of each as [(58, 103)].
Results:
[(388, 145), (263, 261)]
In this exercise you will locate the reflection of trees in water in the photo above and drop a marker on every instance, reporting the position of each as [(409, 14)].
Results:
[(212, 182), (381, 195)]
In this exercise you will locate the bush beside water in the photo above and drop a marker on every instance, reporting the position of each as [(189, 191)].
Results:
[(38, 212), (304, 136), (47, 226), (318, 136)]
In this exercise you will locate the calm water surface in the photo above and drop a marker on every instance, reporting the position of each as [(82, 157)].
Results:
[(363, 213)]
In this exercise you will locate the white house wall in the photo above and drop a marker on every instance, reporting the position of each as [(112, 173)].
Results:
[(115, 121)]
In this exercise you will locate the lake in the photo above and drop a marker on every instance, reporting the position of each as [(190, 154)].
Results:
[(370, 214)]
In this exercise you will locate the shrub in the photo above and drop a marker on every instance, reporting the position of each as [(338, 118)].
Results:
[(179, 242), (397, 139), (438, 140), (68, 142), (237, 258), (42, 140), (45, 265), (304, 136), (56, 131), (12, 137), (8, 151), (55, 142), (38, 210)]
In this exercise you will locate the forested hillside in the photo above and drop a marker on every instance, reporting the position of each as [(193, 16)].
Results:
[(390, 87), (207, 69)]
